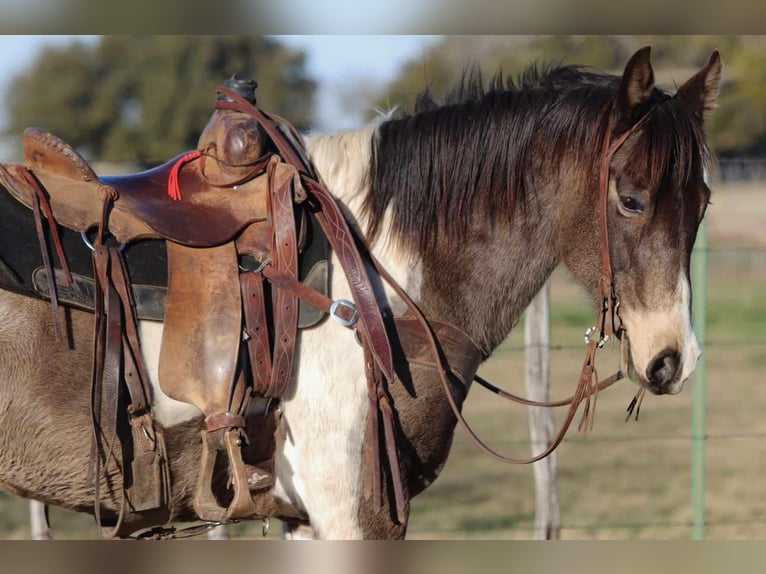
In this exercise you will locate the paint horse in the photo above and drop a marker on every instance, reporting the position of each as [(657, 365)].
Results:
[(469, 205)]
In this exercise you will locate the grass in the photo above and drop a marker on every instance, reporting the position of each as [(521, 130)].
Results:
[(621, 481)]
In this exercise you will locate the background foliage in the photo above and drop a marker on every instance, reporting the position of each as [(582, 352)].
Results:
[(147, 98)]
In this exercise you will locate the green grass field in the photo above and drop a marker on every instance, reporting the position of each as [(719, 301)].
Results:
[(622, 480)]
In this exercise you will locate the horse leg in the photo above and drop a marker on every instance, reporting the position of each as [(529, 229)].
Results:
[(319, 464)]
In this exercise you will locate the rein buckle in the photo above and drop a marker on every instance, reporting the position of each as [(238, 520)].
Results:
[(348, 305)]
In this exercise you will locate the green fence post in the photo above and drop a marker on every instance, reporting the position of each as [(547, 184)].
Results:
[(699, 300)]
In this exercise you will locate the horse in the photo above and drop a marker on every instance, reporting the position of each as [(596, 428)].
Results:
[(470, 204)]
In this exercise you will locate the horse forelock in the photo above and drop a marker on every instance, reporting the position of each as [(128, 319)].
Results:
[(671, 147)]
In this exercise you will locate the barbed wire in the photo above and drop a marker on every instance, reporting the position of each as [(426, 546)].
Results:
[(592, 438), (730, 248), (748, 521)]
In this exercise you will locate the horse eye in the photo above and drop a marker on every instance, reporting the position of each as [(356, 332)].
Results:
[(632, 204)]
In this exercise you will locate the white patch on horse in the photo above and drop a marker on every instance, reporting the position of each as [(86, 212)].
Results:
[(168, 412), (688, 345), (652, 331)]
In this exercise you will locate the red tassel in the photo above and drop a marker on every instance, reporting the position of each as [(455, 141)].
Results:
[(174, 191)]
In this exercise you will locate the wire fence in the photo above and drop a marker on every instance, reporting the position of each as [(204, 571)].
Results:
[(741, 169)]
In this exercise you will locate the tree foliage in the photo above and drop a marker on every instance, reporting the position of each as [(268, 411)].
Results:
[(147, 99), (738, 127)]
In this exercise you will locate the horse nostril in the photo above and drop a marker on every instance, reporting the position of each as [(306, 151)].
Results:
[(663, 368)]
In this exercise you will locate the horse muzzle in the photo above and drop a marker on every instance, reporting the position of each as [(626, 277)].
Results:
[(667, 371)]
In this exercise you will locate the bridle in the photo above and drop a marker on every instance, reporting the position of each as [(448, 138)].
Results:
[(608, 321), (609, 301)]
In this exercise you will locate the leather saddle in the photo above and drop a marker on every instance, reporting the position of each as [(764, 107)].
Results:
[(230, 328), (229, 198)]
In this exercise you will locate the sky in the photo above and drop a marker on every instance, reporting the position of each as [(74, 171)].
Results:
[(340, 64)]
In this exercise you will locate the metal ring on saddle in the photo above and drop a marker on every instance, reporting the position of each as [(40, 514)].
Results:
[(347, 304), (89, 244), (257, 269)]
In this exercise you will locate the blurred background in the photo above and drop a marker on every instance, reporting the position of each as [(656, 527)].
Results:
[(132, 102)]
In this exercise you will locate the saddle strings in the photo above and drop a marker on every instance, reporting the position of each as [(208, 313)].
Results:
[(40, 203)]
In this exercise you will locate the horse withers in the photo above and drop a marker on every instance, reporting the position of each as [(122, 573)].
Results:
[(469, 204)]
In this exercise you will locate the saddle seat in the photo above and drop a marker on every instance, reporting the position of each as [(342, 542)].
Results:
[(221, 197)]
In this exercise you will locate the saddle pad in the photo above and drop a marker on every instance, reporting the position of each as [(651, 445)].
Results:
[(21, 265)]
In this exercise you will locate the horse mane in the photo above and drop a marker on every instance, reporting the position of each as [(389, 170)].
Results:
[(485, 147)]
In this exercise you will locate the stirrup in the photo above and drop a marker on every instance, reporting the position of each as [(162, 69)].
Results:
[(242, 505)]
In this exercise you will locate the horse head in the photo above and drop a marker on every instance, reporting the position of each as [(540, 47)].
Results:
[(655, 200)]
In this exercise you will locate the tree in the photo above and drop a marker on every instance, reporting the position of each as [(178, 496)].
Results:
[(147, 99)]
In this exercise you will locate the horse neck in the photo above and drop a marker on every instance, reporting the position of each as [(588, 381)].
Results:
[(484, 284), (481, 285)]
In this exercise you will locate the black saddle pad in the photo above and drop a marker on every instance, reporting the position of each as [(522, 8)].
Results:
[(20, 250), (21, 264)]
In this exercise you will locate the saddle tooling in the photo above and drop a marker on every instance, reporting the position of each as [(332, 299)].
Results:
[(244, 223)]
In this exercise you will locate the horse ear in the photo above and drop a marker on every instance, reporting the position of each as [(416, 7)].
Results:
[(700, 92), (637, 81)]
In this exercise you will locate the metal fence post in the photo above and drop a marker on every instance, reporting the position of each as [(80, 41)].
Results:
[(699, 299)]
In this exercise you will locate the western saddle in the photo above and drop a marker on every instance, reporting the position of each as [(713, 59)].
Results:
[(233, 214)]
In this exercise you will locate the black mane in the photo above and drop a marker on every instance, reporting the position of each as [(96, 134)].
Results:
[(482, 149)]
